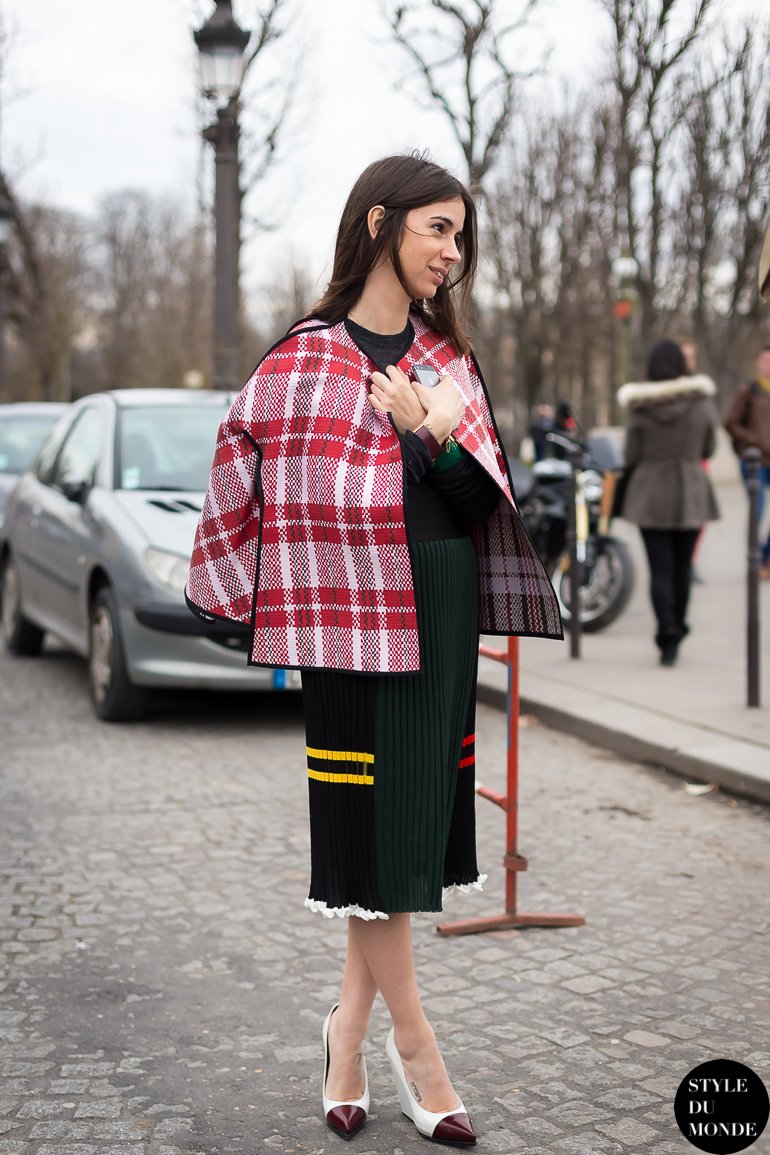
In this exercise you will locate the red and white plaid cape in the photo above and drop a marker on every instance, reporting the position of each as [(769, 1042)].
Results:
[(302, 533)]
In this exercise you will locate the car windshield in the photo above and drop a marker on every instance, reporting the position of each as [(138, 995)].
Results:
[(21, 435), (168, 447)]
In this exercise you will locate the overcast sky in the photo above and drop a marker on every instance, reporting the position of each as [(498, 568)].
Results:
[(100, 95)]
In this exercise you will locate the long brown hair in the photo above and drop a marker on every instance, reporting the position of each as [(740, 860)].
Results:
[(399, 184)]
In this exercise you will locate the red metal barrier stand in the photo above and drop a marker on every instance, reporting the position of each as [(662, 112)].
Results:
[(513, 861)]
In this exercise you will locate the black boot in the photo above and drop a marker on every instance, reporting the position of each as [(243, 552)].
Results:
[(667, 642), (668, 653)]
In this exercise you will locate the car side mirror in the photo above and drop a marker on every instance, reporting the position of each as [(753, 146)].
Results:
[(75, 489)]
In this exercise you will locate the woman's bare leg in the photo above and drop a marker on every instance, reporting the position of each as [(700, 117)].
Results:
[(386, 947), (348, 1025)]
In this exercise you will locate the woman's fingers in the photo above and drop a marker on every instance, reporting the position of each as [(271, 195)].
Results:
[(446, 390), (393, 393), (408, 401), (397, 376), (381, 388), (393, 382), (424, 394), (444, 397)]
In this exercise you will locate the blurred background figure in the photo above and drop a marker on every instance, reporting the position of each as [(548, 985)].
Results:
[(671, 429), (690, 353), (748, 422), (540, 424), (564, 421)]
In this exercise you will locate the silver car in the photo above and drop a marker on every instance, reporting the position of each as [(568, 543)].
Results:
[(24, 426), (96, 546)]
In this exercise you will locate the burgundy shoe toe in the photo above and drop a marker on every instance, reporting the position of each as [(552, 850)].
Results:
[(456, 1129), (347, 1120)]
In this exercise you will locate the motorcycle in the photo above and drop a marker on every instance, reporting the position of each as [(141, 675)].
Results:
[(544, 496)]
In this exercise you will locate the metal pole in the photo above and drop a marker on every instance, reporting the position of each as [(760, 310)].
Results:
[(752, 457), (575, 568), (227, 210), (513, 859)]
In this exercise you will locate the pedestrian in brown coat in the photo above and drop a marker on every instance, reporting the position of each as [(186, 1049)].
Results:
[(748, 422), (671, 428)]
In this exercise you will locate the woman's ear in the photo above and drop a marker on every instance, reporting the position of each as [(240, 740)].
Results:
[(374, 219)]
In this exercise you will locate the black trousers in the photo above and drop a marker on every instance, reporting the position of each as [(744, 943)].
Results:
[(669, 553)]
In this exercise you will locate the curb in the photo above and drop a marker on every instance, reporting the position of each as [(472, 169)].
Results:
[(635, 748)]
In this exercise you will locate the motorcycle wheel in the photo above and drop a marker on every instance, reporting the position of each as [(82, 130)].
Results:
[(608, 582)]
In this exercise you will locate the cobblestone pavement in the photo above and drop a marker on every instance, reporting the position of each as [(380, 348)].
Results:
[(163, 986)]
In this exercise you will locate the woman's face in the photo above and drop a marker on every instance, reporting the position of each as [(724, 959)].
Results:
[(429, 245)]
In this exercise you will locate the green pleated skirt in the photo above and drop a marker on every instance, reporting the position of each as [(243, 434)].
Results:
[(391, 758)]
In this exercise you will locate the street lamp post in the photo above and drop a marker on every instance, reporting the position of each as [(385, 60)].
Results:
[(6, 216), (221, 43)]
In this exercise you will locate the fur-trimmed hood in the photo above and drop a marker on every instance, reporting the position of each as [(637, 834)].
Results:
[(646, 393)]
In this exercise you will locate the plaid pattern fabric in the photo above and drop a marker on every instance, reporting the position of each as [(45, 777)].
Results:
[(302, 532)]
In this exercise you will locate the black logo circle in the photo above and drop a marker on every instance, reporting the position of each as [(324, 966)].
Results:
[(722, 1106)]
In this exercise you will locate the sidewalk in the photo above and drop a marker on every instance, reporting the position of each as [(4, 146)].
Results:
[(692, 719)]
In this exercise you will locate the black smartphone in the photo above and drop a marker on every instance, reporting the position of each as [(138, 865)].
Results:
[(426, 375)]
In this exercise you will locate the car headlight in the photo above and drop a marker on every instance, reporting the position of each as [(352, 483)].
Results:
[(169, 568)]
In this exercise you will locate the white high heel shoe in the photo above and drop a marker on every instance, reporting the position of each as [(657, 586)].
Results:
[(345, 1117), (451, 1127)]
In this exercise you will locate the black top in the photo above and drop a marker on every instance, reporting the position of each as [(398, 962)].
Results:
[(436, 505)]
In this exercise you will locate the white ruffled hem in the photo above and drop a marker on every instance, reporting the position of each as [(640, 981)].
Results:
[(319, 907), (342, 911), (466, 887)]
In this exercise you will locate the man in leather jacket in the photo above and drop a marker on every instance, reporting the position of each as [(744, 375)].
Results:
[(748, 418)]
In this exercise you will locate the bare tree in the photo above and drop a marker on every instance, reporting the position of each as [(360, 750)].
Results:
[(151, 286), (582, 334), (726, 114), (279, 302), (50, 292), (652, 43), (289, 298), (550, 216), (46, 277), (269, 98), (10, 90), (461, 50)]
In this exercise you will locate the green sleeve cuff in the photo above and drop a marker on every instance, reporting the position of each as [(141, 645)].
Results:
[(448, 459)]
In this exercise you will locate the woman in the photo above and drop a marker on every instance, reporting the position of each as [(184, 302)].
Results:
[(362, 523), (671, 430)]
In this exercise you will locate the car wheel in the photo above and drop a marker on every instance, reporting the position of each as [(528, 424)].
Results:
[(20, 635), (114, 696)]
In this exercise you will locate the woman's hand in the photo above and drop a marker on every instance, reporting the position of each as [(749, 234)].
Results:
[(444, 407), (394, 393)]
